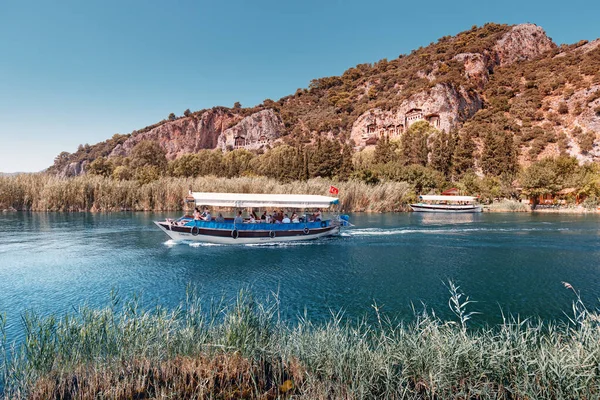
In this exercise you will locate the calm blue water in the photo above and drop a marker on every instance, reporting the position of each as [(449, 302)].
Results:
[(54, 262)]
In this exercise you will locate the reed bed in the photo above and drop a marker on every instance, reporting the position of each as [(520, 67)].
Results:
[(508, 206), (243, 350), (43, 192)]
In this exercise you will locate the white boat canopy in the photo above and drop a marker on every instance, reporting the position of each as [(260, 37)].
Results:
[(447, 198), (242, 200)]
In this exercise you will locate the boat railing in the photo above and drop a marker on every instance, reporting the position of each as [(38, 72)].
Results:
[(252, 226)]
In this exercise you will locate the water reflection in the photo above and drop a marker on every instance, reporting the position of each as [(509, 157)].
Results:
[(446, 218)]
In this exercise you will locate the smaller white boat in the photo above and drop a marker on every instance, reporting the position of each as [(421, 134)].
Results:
[(447, 204)]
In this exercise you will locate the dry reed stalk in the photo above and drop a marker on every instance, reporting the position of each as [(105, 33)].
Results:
[(42, 192)]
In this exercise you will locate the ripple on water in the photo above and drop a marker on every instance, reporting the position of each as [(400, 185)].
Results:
[(54, 262)]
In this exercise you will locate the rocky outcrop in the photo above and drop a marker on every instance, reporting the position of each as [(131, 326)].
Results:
[(522, 42), (74, 169), (476, 67), (184, 135), (444, 107), (253, 132)]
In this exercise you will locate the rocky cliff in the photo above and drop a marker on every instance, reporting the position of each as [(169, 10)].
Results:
[(184, 135), (495, 77), (258, 130)]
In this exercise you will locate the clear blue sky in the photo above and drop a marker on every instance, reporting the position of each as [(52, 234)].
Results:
[(74, 71)]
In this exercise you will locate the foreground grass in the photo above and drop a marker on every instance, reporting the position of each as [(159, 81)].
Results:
[(245, 351), (43, 192)]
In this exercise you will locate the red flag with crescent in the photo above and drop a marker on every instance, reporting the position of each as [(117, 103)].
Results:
[(333, 190)]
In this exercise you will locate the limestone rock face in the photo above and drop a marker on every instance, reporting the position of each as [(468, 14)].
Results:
[(253, 132), (73, 169), (522, 42), (444, 107), (476, 66), (184, 135)]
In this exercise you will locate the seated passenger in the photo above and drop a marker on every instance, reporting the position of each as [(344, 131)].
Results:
[(263, 217), (220, 218), (197, 215), (251, 220), (286, 220), (295, 218), (253, 214), (239, 219), (318, 215), (207, 216)]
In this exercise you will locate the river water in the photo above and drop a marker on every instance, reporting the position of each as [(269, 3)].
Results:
[(54, 262)]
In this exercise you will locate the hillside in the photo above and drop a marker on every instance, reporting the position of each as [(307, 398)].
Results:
[(485, 91)]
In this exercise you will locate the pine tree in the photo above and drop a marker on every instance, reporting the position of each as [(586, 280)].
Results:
[(346, 166), (462, 159), (385, 151), (441, 153), (499, 154)]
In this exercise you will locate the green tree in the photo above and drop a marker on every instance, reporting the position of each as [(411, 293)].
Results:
[(549, 175), (416, 150), (499, 154), (385, 151), (462, 159), (101, 166), (148, 153), (147, 174), (172, 117), (346, 167), (237, 162), (122, 173), (188, 165), (237, 105), (441, 153), (187, 112)]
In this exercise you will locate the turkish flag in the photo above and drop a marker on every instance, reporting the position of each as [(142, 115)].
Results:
[(333, 190)]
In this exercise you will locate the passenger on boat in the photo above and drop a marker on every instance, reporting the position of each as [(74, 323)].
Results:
[(253, 214), (207, 216), (239, 219), (251, 220), (220, 218), (268, 218), (263, 217), (197, 215), (318, 215), (295, 218), (286, 220)]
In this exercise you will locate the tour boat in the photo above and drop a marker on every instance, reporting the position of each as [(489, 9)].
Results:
[(230, 232), (447, 204)]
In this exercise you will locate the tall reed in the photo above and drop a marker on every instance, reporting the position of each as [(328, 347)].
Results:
[(243, 350), (42, 192)]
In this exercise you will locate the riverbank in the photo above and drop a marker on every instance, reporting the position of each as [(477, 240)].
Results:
[(244, 350), (41, 192)]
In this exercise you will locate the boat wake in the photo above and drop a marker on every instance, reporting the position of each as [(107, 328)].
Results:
[(404, 231), (172, 243)]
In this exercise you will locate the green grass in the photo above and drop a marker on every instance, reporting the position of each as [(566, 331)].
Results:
[(42, 192), (245, 350)]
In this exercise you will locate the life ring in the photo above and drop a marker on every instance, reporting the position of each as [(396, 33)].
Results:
[(271, 234), (195, 230), (306, 231), (323, 224), (235, 234)]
